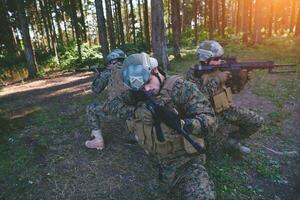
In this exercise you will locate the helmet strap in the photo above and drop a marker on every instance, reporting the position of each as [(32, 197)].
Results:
[(156, 74)]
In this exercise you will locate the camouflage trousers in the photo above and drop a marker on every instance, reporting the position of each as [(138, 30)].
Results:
[(236, 122), (109, 110), (186, 177)]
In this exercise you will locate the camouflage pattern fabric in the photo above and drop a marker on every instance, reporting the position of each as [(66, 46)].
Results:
[(101, 81), (184, 173), (210, 88), (110, 109), (190, 103), (111, 78), (236, 122), (114, 106), (247, 121)]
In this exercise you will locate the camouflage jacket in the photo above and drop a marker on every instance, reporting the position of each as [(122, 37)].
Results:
[(209, 89), (190, 104), (110, 78)]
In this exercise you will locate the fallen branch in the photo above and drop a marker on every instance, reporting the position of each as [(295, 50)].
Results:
[(282, 153)]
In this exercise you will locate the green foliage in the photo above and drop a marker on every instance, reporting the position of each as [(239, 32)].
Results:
[(130, 48), (68, 56)]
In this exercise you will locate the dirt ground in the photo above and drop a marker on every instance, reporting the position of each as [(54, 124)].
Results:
[(122, 170)]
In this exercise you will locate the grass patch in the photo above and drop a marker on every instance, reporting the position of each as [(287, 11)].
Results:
[(278, 91), (234, 178)]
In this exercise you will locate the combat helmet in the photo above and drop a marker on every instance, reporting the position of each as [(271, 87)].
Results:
[(116, 54), (209, 49), (137, 69)]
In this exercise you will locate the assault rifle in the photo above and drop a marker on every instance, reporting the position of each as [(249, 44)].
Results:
[(235, 68), (171, 119)]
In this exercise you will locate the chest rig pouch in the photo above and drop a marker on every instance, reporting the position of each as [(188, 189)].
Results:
[(222, 98), (143, 126)]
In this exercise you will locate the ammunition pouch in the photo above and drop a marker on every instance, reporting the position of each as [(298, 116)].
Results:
[(142, 126), (222, 100)]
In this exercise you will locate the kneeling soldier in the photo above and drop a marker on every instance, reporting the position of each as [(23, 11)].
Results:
[(181, 166), (213, 86)]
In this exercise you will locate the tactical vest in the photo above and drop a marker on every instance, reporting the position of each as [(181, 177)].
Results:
[(222, 99), (115, 85), (143, 126)]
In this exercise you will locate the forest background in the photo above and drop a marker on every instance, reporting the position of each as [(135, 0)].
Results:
[(38, 35)]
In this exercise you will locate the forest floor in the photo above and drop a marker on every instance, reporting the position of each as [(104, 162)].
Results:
[(43, 130)]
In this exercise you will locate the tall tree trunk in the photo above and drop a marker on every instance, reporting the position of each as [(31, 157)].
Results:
[(132, 16), (206, 12), (82, 21), (159, 44), (42, 5), (196, 12), (58, 19), (270, 26), (51, 29), (175, 9), (216, 15), (120, 21), (127, 24), (297, 31), (245, 21), (76, 26), (7, 35), (223, 18), (146, 26), (168, 20), (250, 18), (101, 28), (40, 25), (29, 54), (293, 13), (110, 24), (210, 14), (239, 16), (65, 25), (258, 22), (140, 20)]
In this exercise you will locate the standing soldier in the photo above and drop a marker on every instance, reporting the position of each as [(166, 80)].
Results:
[(213, 86), (181, 166), (111, 78)]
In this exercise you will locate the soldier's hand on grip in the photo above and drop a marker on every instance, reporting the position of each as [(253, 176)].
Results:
[(223, 76), (250, 75)]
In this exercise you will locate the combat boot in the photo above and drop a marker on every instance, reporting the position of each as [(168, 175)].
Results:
[(97, 142), (234, 146)]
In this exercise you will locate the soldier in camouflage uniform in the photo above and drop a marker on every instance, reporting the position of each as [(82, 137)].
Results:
[(181, 166), (213, 86), (111, 79)]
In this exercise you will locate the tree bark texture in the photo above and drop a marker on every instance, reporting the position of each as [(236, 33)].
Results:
[(146, 26), (76, 26), (159, 44), (101, 28), (175, 9), (110, 24), (29, 54)]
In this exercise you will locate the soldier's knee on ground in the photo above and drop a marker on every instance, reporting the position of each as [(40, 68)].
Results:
[(194, 183)]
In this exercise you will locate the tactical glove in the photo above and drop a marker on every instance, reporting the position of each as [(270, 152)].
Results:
[(250, 75), (223, 76)]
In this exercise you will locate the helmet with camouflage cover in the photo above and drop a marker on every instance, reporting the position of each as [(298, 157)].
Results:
[(116, 54), (209, 49), (137, 69)]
